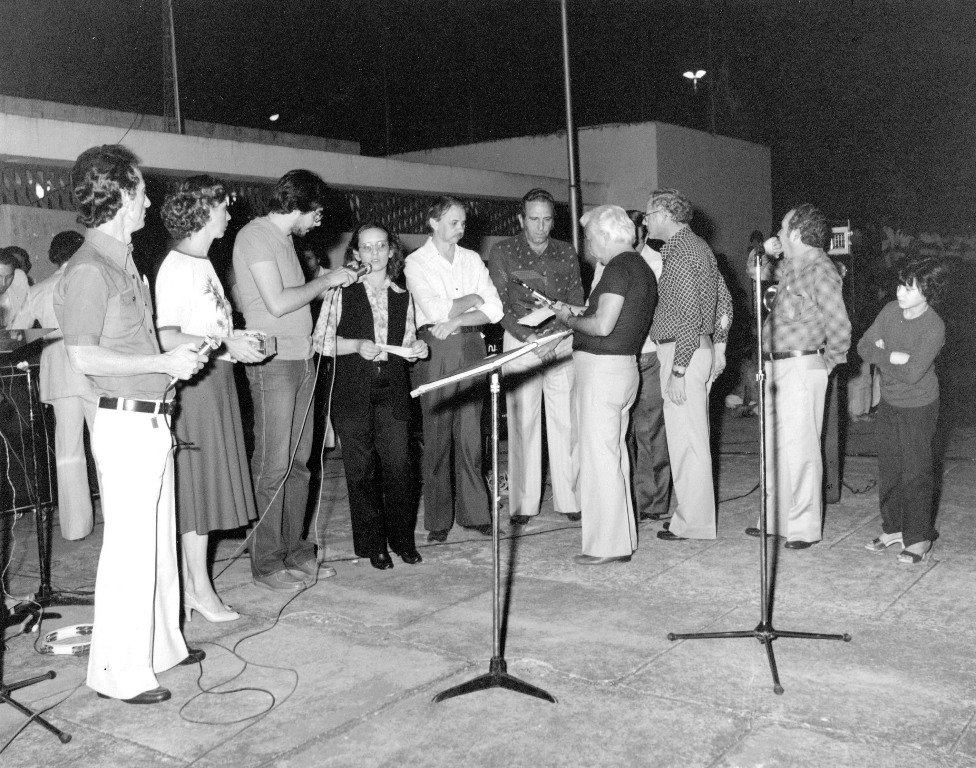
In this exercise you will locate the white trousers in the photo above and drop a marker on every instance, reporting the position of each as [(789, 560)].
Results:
[(794, 420), (689, 446), (606, 387), (74, 496), (137, 590), (527, 381)]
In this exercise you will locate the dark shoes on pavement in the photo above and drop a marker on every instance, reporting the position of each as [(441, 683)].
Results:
[(437, 535), (280, 581), (668, 536), (411, 557), (155, 696), (799, 544), (193, 656), (573, 517), (519, 520)]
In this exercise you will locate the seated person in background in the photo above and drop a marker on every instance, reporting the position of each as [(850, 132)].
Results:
[(13, 292)]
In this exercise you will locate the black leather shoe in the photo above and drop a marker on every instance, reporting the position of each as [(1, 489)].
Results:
[(155, 696), (519, 520), (799, 544), (668, 536), (591, 560), (574, 517), (411, 557), (381, 561), (754, 532), (194, 656), (437, 536)]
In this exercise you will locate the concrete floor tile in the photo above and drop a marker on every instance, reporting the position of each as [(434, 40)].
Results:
[(590, 726)]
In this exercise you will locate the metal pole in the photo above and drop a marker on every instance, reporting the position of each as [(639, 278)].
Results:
[(570, 133), (176, 82)]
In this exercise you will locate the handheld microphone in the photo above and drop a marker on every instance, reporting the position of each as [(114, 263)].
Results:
[(362, 269), (537, 294), (208, 345)]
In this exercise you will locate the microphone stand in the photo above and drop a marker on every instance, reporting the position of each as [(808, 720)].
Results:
[(497, 675), (764, 631)]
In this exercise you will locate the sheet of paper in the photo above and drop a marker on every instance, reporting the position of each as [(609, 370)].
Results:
[(393, 350), (536, 318)]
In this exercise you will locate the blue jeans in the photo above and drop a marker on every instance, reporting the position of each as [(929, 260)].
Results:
[(282, 392)]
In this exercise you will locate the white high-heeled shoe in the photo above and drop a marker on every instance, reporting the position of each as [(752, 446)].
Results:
[(191, 604)]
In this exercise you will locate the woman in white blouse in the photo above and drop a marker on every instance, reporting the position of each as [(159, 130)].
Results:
[(213, 482)]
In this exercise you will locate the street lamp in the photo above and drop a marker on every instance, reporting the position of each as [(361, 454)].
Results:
[(695, 76)]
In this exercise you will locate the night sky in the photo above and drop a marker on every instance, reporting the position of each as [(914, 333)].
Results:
[(869, 107)]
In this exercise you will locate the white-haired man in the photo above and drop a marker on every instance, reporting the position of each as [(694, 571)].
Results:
[(691, 328), (608, 336)]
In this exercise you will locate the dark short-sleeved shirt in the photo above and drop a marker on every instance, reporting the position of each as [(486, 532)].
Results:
[(626, 275), (102, 301), (554, 272)]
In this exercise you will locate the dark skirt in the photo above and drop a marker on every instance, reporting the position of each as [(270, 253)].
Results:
[(213, 481)]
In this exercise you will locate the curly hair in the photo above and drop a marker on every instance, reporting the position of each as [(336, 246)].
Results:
[(99, 177), (189, 203), (676, 204), (395, 266), (930, 275), (812, 225)]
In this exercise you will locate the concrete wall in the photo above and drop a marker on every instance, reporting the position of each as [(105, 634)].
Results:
[(728, 181), (51, 141), (32, 229)]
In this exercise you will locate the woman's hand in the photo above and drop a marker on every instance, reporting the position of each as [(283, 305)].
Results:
[(243, 349), (418, 349), (368, 349)]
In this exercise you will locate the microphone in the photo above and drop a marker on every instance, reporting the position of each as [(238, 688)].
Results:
[(208, 345), (362, 270), (537, 294)]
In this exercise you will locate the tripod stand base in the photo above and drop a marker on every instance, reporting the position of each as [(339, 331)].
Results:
[(765, 634), (5, 698), (497, 677)]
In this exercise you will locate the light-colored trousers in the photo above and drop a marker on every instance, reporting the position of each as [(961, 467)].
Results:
[(794, 420), (74, 496), (527, 380), (137, 589), (606, 387), (689, 447)]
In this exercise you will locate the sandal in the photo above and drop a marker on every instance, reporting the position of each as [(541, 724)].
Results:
[(884, 541), (910, 558)]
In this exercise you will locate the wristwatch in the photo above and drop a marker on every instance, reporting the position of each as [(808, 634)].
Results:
[(678, 374)]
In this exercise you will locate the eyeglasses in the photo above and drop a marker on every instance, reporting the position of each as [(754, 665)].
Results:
[(380, 247), (651, 213), (317, 216)]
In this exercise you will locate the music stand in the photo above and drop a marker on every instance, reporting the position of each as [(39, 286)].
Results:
[(497, 675), (12, 346), (764, 631)]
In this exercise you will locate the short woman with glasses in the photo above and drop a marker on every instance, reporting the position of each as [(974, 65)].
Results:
[(369, 329), (213, 483)]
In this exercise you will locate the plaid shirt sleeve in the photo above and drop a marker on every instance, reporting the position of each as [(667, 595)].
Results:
[(827, 289)]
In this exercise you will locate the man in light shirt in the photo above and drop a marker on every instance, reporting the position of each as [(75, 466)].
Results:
[(454, 298)]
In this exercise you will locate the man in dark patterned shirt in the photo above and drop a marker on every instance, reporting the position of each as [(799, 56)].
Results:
[(551, 267), (691, 328), (806, 334)]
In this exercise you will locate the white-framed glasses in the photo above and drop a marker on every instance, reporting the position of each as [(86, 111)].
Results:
[(379, 247)]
